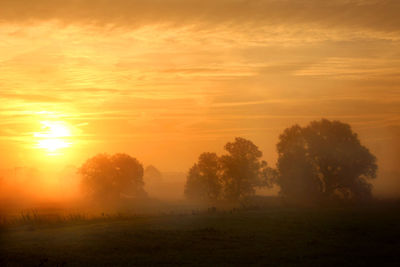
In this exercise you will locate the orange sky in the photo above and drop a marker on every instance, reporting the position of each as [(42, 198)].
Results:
[(167, 80)]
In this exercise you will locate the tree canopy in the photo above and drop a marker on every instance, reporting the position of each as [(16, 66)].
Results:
[(203, 180), (242, 169), (152, 174), (233, 176), (106, 177), (324, 160)]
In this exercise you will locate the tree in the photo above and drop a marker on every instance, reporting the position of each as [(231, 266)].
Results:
[(232, 177), (106, 177), (203, 181), (324, 160), (152, 174), (243, 170)]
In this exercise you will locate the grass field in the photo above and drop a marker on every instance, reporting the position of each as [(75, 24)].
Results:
[(269, 237)]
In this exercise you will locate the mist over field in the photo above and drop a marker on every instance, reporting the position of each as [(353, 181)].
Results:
[(28, 188)]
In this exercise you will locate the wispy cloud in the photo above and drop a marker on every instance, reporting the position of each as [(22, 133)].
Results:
[(379, 15), (353, 68)]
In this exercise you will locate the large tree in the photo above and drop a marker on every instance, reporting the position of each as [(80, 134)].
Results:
[(242, 169), (233, 176), (106, 177), (324, 160), (203, 180)]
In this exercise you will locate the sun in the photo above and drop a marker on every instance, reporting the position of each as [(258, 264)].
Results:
[(55, 135)]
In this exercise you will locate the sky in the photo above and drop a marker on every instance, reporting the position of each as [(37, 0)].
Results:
[(167, 80)]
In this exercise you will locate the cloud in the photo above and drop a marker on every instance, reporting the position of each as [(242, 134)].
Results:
[(376, 15), (353, 68), (33, 97), (148, 71)]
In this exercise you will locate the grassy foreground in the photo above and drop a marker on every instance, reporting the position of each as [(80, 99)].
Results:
[(273, 237)]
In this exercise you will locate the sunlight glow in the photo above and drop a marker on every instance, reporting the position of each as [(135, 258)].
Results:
[(54, 136)]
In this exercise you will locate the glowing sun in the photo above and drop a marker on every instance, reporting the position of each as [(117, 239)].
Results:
[(54, 136)]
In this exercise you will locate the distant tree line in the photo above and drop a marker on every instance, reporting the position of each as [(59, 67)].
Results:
[(322, 161)]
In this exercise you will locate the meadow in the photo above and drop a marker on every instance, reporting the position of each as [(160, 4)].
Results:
[(268, 236)]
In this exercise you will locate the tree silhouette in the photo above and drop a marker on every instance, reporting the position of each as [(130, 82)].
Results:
[(324, 160), (243, 170), (106, 177), (152, 174), (203, 181), (231, 177)]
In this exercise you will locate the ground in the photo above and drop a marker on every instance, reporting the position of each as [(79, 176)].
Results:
[(274, 237)]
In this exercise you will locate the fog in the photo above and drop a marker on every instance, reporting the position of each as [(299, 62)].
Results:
[(24, 188)]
